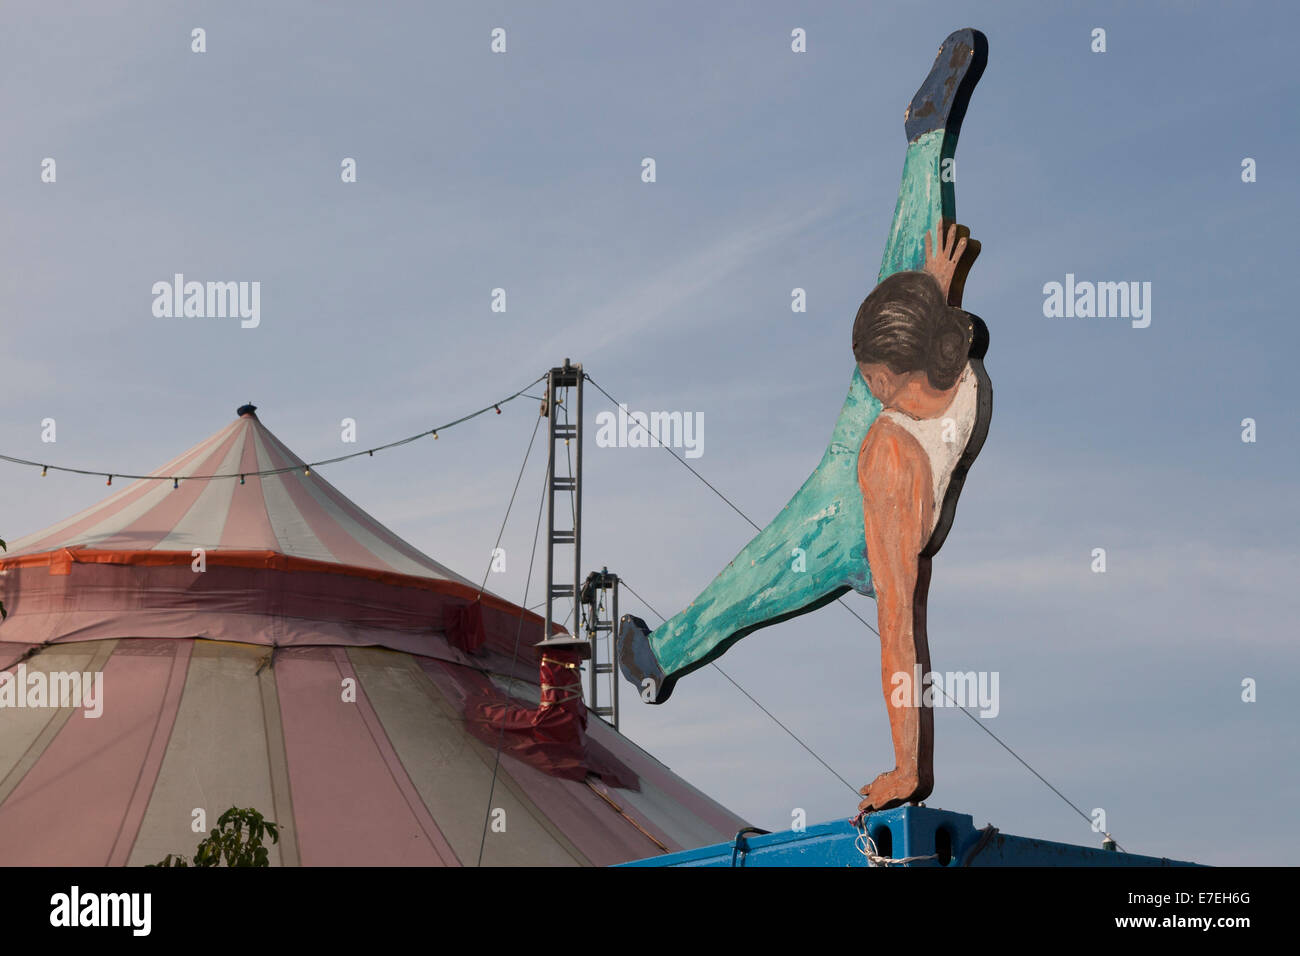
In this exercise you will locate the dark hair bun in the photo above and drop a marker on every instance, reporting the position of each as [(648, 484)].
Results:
[(948, 352), (906, 324)]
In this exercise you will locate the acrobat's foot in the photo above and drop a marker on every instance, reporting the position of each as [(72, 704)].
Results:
[(941, 101), (637, 661), (893, 789)]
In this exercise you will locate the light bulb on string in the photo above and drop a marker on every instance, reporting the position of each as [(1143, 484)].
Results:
[(108, 476)]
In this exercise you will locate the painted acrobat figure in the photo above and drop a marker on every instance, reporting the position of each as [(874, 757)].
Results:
[(880, 503)]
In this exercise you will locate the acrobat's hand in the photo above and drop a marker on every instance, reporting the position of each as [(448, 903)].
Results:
[(949, 258)]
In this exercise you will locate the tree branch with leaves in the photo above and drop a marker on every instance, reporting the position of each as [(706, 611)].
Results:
[(229, 844)]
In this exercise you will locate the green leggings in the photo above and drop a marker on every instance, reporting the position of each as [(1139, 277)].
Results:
[(815, 549)]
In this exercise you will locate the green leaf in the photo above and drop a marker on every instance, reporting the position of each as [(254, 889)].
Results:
[(236, 840)]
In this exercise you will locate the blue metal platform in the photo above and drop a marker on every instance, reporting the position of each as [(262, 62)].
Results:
[(951, 838)]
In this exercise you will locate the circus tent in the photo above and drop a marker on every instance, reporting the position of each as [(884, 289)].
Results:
[(264, 642)]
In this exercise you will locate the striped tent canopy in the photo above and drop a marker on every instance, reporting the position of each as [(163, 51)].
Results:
[(263, 642)]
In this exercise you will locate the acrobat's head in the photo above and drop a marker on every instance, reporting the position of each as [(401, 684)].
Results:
[(912, 346)]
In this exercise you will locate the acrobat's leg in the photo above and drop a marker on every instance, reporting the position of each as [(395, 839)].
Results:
[(933, 123), (814, 550)]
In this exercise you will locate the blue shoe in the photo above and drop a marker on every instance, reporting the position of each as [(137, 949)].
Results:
[(637, 661), (940, 102)]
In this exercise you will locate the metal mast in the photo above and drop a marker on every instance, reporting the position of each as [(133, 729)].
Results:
[(600, 597), (561, 384)]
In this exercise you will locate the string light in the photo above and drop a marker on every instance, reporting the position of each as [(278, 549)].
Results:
[(369, 452)]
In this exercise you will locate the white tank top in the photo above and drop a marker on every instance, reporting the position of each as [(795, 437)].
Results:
[(955, 423)]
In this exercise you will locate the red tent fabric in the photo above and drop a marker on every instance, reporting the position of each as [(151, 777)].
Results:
[(269, 644)]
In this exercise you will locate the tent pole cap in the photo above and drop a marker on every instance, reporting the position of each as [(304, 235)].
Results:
[(566, 643)]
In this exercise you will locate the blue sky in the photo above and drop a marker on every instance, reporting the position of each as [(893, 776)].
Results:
[(775, 170)]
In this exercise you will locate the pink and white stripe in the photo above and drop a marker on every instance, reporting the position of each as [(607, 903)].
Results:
[(296, 514)]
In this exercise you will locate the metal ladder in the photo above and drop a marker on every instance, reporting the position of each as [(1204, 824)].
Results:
[(599, 596), (561, 382)]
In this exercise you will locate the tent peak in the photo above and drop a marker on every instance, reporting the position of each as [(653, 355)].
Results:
[(250, 410)]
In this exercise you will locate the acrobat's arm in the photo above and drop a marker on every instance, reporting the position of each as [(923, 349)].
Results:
[(896, 491)]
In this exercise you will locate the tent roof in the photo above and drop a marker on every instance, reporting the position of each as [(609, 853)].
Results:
[(287, 546), (196, 715), (292, 513)]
